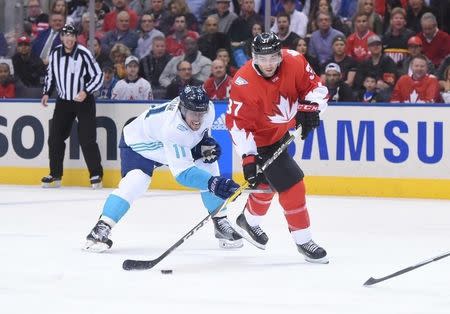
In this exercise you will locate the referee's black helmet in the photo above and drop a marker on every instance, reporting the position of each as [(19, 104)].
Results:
[(68, 29)]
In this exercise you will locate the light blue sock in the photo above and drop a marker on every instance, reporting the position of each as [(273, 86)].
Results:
[(115, 207), (211, 201)]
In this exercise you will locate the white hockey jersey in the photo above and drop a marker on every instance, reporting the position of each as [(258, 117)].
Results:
[(127, 90), (162, 135)]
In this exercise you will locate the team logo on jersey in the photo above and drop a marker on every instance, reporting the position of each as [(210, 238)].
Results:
[(240, 81), (287, 111)]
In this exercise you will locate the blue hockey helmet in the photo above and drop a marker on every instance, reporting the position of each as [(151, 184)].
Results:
[(194, 98)]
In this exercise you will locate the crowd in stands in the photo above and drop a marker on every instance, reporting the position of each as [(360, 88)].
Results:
[(364, 50)]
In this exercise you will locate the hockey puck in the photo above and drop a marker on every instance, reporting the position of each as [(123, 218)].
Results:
[(166, 271)]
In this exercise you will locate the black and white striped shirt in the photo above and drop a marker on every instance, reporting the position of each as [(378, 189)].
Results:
[(72, 72)]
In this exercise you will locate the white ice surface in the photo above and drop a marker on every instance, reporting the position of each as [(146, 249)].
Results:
[(44, 270)]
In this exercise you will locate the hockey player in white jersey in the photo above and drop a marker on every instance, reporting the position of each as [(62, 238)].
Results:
[(132, 87), (174, 134)]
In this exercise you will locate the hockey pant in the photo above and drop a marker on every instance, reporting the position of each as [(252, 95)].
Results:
[(284, 176), (136, 177)]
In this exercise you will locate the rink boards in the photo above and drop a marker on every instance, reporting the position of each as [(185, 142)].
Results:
[(372, 150)]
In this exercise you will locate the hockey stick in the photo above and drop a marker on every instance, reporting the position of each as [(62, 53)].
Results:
[(372, 281), (130, 264)]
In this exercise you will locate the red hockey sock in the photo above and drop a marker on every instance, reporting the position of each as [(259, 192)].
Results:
[(259, 203), (294, 203)]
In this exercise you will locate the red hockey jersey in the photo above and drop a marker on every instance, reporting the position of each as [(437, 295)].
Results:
[(262, 110), (420, 91)]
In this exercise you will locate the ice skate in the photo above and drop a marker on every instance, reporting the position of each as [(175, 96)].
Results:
[(97, 240), (255, 235), (313, 253), (51, 182), (228, 237), (96, 182)]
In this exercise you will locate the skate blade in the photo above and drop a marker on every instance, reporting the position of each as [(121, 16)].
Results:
[(96, 247), (248, 237), (323, 260), (97, 186), (227, 244), (52, 185)]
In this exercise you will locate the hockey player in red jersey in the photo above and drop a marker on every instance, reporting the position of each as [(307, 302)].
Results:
[(264, 100)]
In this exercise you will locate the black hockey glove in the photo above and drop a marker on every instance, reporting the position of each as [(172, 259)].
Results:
[(207, 149), (250, 168), (222, 187), (308, 121)]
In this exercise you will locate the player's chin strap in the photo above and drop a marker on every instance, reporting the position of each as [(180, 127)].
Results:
[(130, 264)]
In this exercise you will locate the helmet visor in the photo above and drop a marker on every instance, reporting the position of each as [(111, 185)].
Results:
[(193, 116)]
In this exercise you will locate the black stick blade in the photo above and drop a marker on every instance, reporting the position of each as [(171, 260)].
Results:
[(370, 281), (130, 264)]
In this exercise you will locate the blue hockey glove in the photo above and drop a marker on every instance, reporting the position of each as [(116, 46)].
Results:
[(222, 187), (207, 149)]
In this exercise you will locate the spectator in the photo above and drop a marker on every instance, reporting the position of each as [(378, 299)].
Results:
[(119, 52), (379, 64), (347, 64), (122, 34), (357, 42), (225, 16), (36, 18), (436, 43), (420, 87), (212, 39), (137, 6), (338, 90), (445, 84), (148, 33), (323, 6), (286, 37), (440, 71), (101, 9), (3, 45), (375, 21), (133, 87), (48, 39), (218, 85), (159, 14), (174, 42), (299, 21), (395, 41), (177, 8), (442, 12), (322, 39), (241, 28), (7, 86), (110, 20), (301, 45), (83, 37), (152, 65), (415, 10), (257, 28), (369, 94), (224, 55), (109, 81), (29, 69), (78, 9), (414, 49), (200, 65), (183, 78), (99, 54)]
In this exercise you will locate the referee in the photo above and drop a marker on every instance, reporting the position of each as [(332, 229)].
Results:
[(76, 75)]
